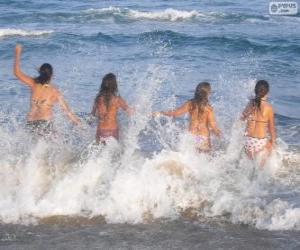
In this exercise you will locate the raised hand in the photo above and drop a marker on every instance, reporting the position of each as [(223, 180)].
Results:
[(18, 48), (155, 114)]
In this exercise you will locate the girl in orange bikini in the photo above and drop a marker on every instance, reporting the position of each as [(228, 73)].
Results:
[(202, 119), (260, 131), (106, 106), (43, 97)]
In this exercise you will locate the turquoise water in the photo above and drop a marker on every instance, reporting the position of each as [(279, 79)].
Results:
[(159, 51)]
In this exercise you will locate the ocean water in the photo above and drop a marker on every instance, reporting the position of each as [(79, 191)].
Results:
[(151, 191)]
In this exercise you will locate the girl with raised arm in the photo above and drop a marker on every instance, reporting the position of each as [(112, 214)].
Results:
[(106, 106), (260, 131), (43, 96), (202, 120)]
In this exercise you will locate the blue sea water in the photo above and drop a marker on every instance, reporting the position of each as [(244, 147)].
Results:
[(159, 51)]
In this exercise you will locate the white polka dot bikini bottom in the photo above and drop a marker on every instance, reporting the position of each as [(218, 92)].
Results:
[(254, 145)]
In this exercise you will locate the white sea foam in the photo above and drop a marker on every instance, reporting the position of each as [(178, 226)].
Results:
[(20, 32), (138, 188), (122, 184), (170, 14)]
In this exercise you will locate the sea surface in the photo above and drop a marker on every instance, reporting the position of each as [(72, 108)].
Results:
[(152, 190)]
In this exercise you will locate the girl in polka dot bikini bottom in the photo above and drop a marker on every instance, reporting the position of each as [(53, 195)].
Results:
[(255, 145), (260, 131)]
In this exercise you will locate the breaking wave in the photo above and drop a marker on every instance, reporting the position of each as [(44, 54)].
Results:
[(122, 183), (170, 14), (20, 32)]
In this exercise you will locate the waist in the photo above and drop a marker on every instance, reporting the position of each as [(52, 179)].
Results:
[(255, 137), (107, 126), (41, 121), (107, 129), (107, 132), (197, 132), (107, 123), (257, 132), (31, 119), (35, 115)]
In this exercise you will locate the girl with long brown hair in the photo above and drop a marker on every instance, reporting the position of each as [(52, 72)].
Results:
[(260, 130), (106, 106), (202, 119), (44, 95)]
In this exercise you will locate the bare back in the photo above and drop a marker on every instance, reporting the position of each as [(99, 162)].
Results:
[(260, 121), (200, 123), (43, 97), (108, 114)]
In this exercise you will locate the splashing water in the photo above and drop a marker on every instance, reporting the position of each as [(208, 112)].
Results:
[(124, 183)]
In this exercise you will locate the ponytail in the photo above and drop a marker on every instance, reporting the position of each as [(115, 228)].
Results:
[(108, 88), (261, 89), (200, 100), (45, 72)]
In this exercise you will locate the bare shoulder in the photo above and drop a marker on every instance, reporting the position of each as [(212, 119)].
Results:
[(118, 99), (209, 108), (249, 105), (55, 88), (268, 107), (188, 103), (55, 91)]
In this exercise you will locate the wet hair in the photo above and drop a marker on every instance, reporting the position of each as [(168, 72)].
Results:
[(108, 88), (261, 89), (45, 72), (200, 100)]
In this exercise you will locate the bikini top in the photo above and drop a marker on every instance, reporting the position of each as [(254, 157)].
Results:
[(253, 120), (40, 103)]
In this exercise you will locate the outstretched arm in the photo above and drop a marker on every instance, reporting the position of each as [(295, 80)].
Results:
[(247, 111), (21, 76), (178, 111), (212, 122), (125, 106), (67, 110)]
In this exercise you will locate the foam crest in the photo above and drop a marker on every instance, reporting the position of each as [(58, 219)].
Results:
[(170, 14), (20, 32)]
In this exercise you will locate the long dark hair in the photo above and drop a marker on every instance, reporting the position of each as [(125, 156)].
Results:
[(200, 99), (108, 88), (45, 72), (261, 89)]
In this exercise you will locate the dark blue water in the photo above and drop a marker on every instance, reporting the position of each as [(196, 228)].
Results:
[(159, 51)]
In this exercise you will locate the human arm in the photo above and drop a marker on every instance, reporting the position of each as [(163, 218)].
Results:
[(212, 122), (123, 104), (247, 111), (63, 104), (17, 69), (176, 112)]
